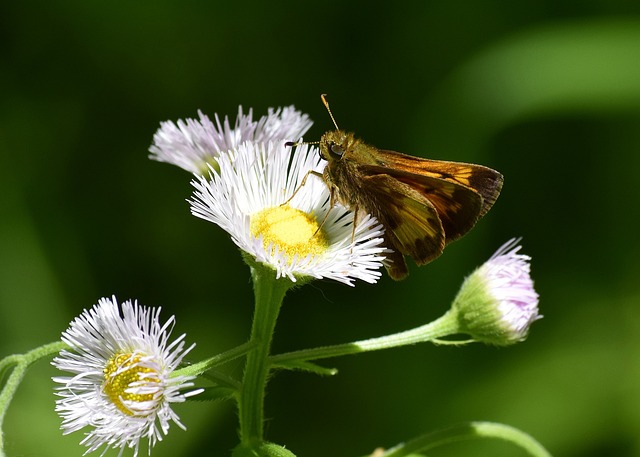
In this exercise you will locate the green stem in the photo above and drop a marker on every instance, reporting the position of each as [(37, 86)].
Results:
[(199, 368), (443, 326), (223, 380), (469, 431), (269, 293), (20, 364)]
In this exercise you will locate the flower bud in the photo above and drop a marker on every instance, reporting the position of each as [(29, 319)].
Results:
[(497, 302)]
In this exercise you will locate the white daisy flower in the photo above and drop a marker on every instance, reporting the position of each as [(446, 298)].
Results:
[(122, 384), (249, 196), (193, 144)]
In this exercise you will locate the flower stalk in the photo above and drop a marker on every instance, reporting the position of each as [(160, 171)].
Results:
[(445, 325), (203, 366), (269, 293), (495, 305), (19, 364)]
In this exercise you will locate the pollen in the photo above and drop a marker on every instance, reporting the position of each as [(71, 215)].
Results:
[(128, 382), (293, 231)]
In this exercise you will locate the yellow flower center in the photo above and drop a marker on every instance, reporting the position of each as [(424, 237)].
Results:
[(293, 231), (121, 372)]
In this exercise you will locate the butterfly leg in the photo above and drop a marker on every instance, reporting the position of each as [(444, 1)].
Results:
[(302, 183), (332, 202), (353, 228)]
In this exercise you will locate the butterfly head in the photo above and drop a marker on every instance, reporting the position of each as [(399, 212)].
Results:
[(335, 144)]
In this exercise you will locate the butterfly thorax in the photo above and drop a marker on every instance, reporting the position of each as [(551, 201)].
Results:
[(345, 155)]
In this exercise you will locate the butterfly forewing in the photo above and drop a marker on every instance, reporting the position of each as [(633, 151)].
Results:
[(483, 180)]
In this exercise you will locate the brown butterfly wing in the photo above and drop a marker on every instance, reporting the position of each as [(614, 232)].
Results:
[(457, 207), (411, 221), (483, 180)]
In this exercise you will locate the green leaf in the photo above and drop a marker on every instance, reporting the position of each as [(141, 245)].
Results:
[(306, 366)]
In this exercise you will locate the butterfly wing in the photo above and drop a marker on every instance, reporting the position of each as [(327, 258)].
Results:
[(482, 180), (455, 208), (411, 221), (423, 204)]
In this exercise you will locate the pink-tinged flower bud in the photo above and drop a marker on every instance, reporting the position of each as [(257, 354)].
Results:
[(497, 302)]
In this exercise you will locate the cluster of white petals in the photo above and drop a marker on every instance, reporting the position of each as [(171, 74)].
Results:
[(263, 176), (121, 386), (192, 144)]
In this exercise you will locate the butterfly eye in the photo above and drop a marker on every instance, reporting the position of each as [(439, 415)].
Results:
[(336, 150)]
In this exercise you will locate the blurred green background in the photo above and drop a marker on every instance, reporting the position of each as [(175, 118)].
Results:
[(547, 92)]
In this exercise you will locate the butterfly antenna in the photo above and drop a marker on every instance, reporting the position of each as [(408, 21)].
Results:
[(326, 105), (290, 144)]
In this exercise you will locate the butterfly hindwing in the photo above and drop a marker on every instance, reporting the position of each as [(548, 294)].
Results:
[(457, 207), (412, 220)]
